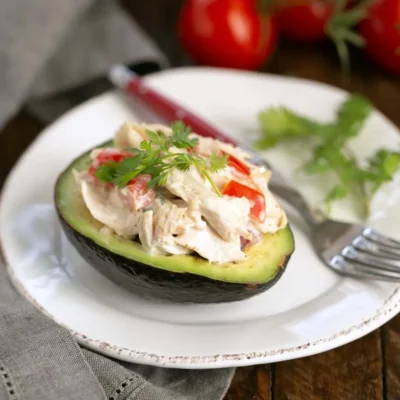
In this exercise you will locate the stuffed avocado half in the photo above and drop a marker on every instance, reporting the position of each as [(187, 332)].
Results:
[(153, 237)]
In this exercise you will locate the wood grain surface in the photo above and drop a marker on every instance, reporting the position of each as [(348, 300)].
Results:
[(366, 369)]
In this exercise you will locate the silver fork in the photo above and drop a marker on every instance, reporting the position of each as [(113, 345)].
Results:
[(350, 249)]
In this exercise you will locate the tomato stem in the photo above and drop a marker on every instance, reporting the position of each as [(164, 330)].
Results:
[(265, 6), (340, 29)]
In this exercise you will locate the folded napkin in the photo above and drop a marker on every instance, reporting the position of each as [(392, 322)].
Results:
[(54, 54)]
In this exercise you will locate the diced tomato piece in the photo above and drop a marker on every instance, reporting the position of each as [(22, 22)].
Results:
[(107, 155), (139, 195), (233, 162), (92, 169), (238, 165), (116, 155), (256, 199)]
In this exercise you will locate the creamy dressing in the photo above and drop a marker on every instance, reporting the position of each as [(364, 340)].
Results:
[(110, 208), (186, 215), (228, 216)]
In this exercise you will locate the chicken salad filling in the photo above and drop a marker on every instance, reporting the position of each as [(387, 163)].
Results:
[(179, 193)]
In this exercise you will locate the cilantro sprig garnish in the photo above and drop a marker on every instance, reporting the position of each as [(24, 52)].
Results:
[(330, 151), (155, 157)]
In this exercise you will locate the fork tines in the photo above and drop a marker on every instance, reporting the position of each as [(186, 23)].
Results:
[(370, 255)]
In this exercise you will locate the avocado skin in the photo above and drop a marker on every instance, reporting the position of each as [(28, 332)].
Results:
[(147, 281)]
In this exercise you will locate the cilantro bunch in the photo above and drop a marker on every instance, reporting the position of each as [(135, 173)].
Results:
[(156, 158), (330, 150)]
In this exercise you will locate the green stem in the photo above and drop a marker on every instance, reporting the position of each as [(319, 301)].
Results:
[(341, 28), (350, 188), (361, 185), (207, 175), (265, 6), (169, 156)]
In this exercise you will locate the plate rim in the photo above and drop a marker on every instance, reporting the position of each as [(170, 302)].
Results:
[(383, 314)]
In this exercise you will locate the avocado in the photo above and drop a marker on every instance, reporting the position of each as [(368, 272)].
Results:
[(178, 278)]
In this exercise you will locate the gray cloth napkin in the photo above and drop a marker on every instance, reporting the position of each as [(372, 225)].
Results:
[(40, 360), (50, 50)]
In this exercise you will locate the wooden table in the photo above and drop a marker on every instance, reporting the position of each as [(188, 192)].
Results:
[(368, 368)]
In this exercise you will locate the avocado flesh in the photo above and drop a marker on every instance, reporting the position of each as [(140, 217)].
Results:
[(127, 264)]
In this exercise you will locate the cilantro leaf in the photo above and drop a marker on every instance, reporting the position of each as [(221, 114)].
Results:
[(146, 145), (217, 162), (338, 192), (329, 144), (158, 138), (183, 162), (352, 115), (155, 158), (180, 136), (134, 150), (316, 166), (107, 172), (382, 167), (128, 169), (279, 124)]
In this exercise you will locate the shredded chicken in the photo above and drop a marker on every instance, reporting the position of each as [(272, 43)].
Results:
[(109, 207), (185, 215), (130, 135), (207, 146), (210, 245), (146, 231), (167, 219), (275, 217), (227, 215)]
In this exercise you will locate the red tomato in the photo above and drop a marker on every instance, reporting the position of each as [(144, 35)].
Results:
[(107, 155), (139, 195), (238, 165), (256, 199), (381, 30), (227, 33), (304, 20), (112, 155)]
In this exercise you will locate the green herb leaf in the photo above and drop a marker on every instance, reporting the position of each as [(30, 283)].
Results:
[(155, 158), (107, 172), (316, 166), (330, 151), (382, 167), (158, 138), (180, 136), (134, 150), (146, 145), (183, 162), (280, 123), (338, 192), (352, 115), (217, 162), (128, 169)]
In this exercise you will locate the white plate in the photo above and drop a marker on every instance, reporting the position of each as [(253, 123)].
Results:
[(310, 310)]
